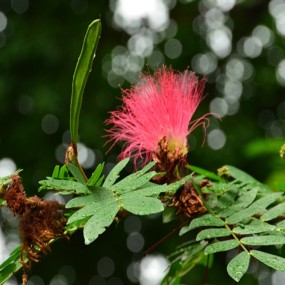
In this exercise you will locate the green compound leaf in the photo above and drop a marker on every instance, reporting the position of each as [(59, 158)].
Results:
[(256, 207), (140, 178), (77, 174), (100, 195), (133, 181), (9, 270), (267, 199), (242, 202), (281, 225), (97, 224), (221, 246), (213, 233), (64, 186), (93, 206), (81, 73), (238, 266), (263, 240), (206, 220), (241, 175), (73, 227), (169, 215), (55, 172), (102, 205), (156, 189), (114, 173), (219, 187), (273, 261), (60, 172), (205, 173), (254, 227), (142, 206), (274, 212), (11, 265), (172, 277), (185, 259), (96, 179), (228, 198), (244, 214), (14, 256), (82, 201)]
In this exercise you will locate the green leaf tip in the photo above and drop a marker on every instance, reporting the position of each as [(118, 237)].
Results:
[(238, 266), (81, 73), (273, 261)]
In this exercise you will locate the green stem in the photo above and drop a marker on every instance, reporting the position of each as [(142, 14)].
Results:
[(236, 238)]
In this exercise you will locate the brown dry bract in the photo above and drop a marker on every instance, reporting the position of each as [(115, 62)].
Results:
[(40, 221), (188, 201), (167, 162)]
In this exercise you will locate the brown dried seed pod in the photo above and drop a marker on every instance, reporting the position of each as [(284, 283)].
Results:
[(187, 201)]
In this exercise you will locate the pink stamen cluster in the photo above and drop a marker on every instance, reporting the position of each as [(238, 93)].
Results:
[(158, 106)]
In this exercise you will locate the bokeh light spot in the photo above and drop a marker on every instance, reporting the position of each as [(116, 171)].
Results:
[(141, 43), (97, 280), (216, 139), (219, 106), (115, 281), (132, 13), (133, 271), (252, 47), (153, 268), (35, 280), (156, 59), (274, 55), (7, 167), (173, 48), (12, 281), (171, 30), (235, 69), (50, 124), (219, 41), (68, 272), (281, 110), (280, 72), (277, 10), (3, 21), (214, 19), (226, 5), (3, 251), (20, 6), (114, 80), (265, 118), (105, 267), (204, 63), (276, 129), (3, 39), (86, 156), (25, 104), (132, 224), (59, 280), (277, 277), (119, 64), (135, 242), (264, 34), (233, 89), (60, 153)]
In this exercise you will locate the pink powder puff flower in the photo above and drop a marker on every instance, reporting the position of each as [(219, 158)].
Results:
[(155, 118)]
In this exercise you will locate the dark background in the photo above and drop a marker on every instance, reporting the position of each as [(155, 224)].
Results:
[(39, 48)]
